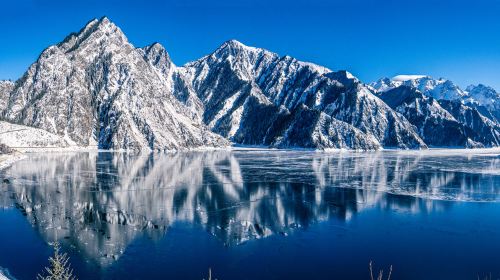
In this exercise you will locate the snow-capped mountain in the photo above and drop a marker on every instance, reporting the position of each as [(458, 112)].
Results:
[(95, 88), (243, 87), (484, 95), (436, 88), (465, 127), (443, 89), (486, 99), (486, 131), (444, 114)]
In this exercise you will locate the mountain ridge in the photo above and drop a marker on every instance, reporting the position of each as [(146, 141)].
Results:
[(95, 88)]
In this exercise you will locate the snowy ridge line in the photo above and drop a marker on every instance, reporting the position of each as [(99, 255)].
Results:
[(96, 89)]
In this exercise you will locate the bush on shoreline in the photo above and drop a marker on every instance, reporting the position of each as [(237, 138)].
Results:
[(4, 149)]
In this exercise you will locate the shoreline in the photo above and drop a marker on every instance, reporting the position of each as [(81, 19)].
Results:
[(7, 160)]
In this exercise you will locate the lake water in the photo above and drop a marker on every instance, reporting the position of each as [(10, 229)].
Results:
[(255, 214)]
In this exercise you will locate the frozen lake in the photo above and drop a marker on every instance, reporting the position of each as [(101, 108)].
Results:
[(254, 214)]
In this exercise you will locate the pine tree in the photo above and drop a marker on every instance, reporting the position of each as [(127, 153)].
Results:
[(59, 266)]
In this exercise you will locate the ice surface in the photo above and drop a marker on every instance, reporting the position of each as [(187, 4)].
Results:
[(101, 202)]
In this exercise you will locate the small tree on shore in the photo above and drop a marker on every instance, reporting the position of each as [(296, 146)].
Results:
[(59, 268)]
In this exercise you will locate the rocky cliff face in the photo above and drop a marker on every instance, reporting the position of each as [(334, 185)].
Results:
[(444, 114), (436, 88), (435, 125), (485, 131), (241, 85), (95, 88), (486, 100), (5, 88)]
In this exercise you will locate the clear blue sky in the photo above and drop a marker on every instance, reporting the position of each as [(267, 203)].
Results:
[(459, 40)]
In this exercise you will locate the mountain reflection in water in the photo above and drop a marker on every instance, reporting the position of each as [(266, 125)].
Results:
[(100, 202)]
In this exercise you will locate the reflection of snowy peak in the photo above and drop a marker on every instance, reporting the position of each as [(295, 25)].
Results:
[(105, 201)]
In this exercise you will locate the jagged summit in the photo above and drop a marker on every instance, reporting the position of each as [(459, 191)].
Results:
[(232, 50), (97, 89), (157, 55), (99, 31), (484, 90), (343, 76), (486, 97), (437, 88), (235, 44), (237, 51)]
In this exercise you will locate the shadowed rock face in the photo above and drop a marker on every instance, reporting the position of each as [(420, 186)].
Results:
[(484, 130), (444, 122), (242, 85), (444, 114), (486, 100), (5, 89), (100, 202), (96, 89)]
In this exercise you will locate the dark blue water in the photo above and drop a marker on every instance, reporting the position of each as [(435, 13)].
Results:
[(255, 214)]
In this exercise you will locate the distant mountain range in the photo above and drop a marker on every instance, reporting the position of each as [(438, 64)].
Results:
[(95, 89)]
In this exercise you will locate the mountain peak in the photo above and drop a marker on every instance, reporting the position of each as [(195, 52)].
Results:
[(343, 76), (234, 43), (155, 47), (479, 87), (96, 30), (483, 94), (158, 56), (234, 46)]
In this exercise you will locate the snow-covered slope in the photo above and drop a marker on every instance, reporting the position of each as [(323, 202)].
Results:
[(444, 114), (483, 97), (28, 138), (436, 88), (486, 131), (435, 125), (243, 86), (5, 89), (96, 88), (486, 99)]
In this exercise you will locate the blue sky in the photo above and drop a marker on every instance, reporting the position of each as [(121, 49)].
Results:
[(459, 40)]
